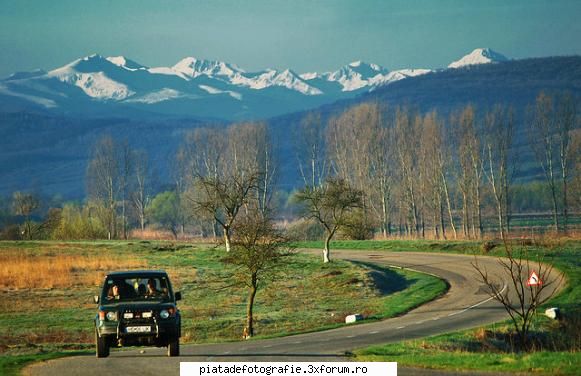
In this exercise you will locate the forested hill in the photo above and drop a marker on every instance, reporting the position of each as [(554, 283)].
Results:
[(514, 82)]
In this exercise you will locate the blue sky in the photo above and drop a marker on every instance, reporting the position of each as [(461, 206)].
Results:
[(305, 35)]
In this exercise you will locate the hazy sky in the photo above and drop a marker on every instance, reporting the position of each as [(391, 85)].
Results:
[(305, 35)]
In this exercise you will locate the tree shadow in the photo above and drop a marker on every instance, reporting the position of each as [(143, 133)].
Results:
[(386, 280)]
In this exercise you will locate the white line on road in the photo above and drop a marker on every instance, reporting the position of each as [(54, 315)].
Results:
[(374, 332), (477, 304), (400, 327)]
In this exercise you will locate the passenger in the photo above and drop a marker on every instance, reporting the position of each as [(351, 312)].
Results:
[(113, 293)]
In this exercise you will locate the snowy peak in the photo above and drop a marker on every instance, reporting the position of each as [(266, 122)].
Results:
[(192, 67), (92, 75), (123, 62), (356, 75), (272, 77), (479, 56)]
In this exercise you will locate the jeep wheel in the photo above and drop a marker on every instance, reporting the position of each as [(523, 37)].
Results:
[(102, 346), (173, 347)]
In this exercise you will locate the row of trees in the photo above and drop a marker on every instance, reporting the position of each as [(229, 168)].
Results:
[(407, 174), (451, 175)]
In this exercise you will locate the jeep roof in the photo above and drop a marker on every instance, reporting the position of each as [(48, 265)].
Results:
[(137, 273)]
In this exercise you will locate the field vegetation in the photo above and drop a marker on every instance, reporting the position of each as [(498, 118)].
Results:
[(40, 318)]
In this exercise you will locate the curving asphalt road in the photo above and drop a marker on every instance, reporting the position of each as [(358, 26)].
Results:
[(465, 305)]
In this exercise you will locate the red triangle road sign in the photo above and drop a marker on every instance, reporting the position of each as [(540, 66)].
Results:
[(534, 280)]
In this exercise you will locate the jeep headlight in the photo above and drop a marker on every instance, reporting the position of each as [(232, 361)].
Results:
[(164, 314), (111, 316)]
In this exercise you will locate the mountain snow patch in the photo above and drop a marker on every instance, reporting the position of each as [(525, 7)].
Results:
[(213, 90), (159, 96)]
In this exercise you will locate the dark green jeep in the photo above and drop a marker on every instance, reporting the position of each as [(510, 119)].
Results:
[(137, 308)]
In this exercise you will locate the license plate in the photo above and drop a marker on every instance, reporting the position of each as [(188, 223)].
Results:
[(138, 329)]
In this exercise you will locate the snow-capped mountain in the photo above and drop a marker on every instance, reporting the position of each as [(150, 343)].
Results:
[(479, 56), (97, 85)]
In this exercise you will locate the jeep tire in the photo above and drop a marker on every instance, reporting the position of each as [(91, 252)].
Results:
[(173, 347), (102, 345)]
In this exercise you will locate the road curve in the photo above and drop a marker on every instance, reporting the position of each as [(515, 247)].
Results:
[(465, 305)]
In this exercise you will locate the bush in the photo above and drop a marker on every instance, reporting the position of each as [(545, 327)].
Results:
[(77, 223), (488, 246), (358, 227), (11, 232), (305, 229)]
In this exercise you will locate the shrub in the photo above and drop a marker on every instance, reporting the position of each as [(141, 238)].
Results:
[(305, 229)]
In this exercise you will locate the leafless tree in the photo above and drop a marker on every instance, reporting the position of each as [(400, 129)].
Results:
[(407, 126), (258, 249), (330, 205), (229, 173), (499, 168), (470, 172), (103, 180), (141, 195), (126, 163), (518, 296), (545, 146), (359, 150), (566, 122), (435, 161), (310, 149), (25, 204)]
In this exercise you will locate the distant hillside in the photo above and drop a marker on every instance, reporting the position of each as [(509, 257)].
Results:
[(48, 152)]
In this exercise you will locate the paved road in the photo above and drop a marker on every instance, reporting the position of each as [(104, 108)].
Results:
[(465, 305)]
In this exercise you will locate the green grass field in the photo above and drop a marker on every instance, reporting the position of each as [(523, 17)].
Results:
[(45, 322), (485, 348)]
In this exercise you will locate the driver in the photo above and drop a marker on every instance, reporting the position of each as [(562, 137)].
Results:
[(151, 288)]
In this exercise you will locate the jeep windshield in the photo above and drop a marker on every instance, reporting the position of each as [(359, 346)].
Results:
[(136, 288)]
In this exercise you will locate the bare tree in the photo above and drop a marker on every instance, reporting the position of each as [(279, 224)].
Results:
[(330, 205), (141, 195), (310, 150), (359, 152), (519, 297), (435, 161), (236, 174), (103, 180), (568, 153), (545, 146), (469, 177), (407, 127), (223, 198), (258, 249), (499, 170), (126, 163), (381, 169), (25, 204)]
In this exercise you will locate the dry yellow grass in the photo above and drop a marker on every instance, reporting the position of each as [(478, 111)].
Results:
[(19, 270)]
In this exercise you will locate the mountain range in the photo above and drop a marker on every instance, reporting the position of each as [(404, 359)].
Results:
[(97, 86)]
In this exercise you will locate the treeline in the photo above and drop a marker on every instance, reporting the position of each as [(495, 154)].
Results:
[(451, 176), (414, 174)]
